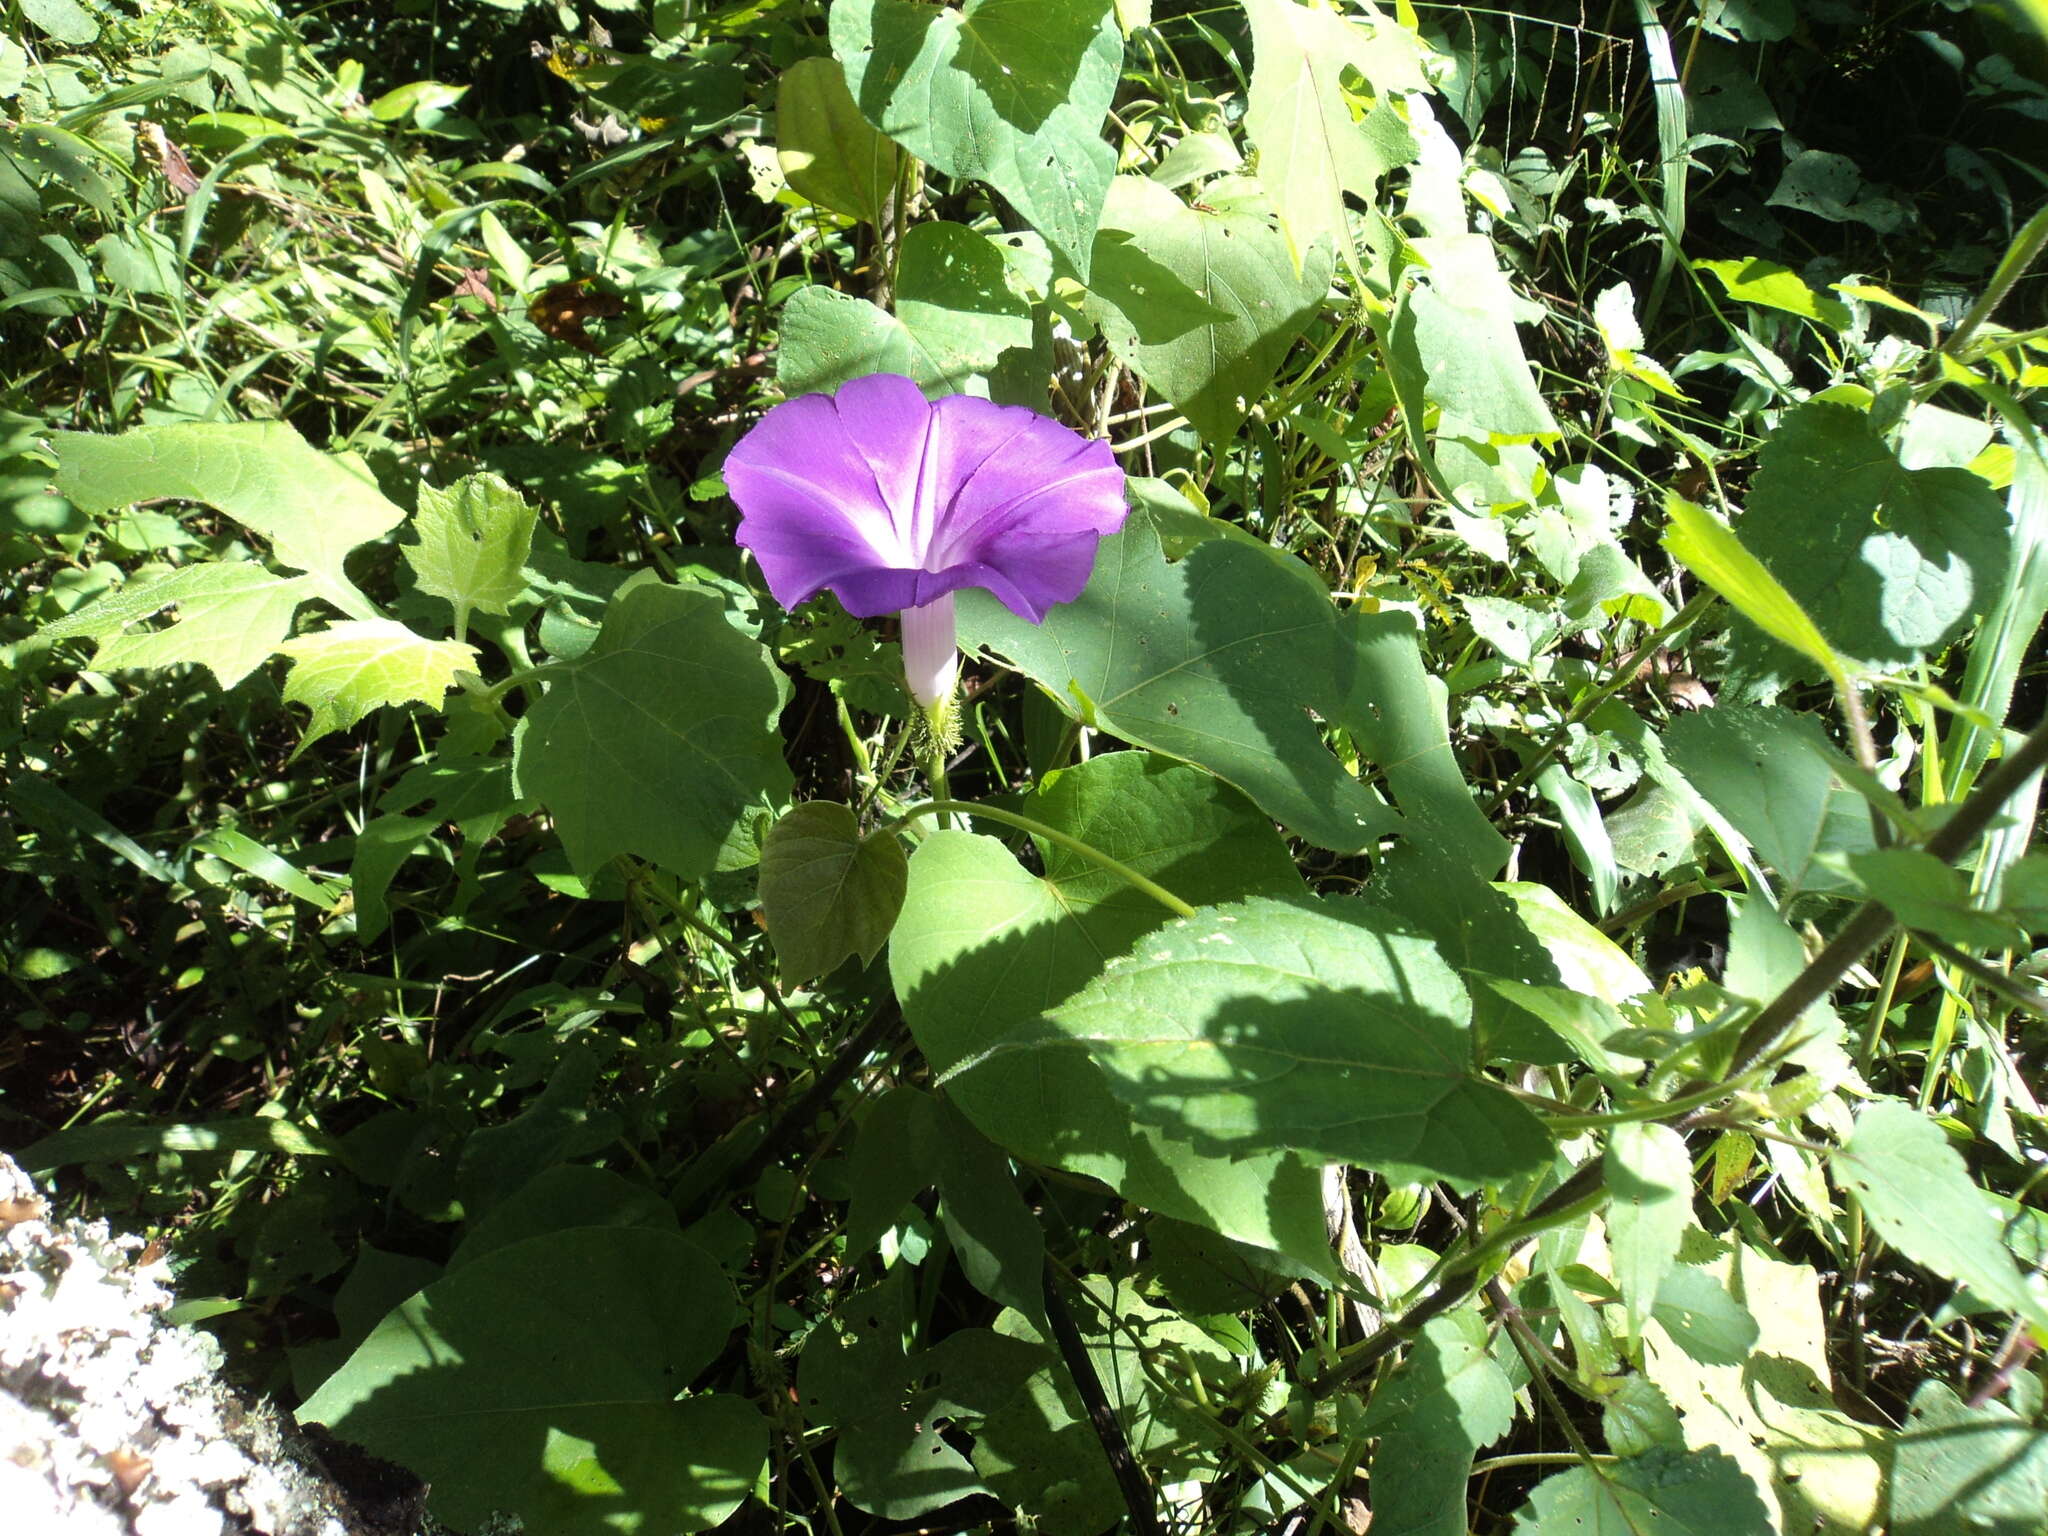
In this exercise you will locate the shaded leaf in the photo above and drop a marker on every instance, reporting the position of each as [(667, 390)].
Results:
[(826, 891), (542, 1378), (1960, 1469), (661, 741), (956, 317), (1890, 562), (1326, 1026), (1917, 1192), (827, 150), (1771, 773), (1447, 1399), (1673, 1492)]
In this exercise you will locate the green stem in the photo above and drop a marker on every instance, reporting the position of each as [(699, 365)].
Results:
[(525, 679), (1092, 854), (1631, 663)]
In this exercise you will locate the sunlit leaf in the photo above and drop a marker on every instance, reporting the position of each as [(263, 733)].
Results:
[(348, 669), (231, 616), (984, 947), (474, 539), (1326, 1026), (1201, 303), (313, 507), (1216, 659), (1010, 92), (828, 151), (1313, 149)]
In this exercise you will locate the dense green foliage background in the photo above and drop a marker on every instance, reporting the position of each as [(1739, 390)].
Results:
[(1588, 503)]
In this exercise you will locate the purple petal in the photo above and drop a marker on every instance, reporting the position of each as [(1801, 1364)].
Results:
[(1030, 499), (894, 502)]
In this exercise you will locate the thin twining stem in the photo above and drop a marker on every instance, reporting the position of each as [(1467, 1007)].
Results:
[(1766, 1033), (1088, 851)]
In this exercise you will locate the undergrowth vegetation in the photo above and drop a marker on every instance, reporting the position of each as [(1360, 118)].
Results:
[(1481, 975)]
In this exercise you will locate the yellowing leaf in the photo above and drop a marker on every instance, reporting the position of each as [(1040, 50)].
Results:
[(1312, 150), (344, 672), (1773, 1411)]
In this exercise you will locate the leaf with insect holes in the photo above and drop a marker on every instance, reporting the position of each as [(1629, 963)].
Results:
[(474, 539), (344, 671)]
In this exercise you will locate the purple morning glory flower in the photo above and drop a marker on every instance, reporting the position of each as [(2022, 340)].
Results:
[(895, 502)]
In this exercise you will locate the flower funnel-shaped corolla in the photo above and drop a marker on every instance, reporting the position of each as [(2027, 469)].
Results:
[(896, 502)]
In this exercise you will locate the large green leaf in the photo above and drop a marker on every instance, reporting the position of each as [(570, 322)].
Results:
[(1312, 150), (1671, 1492), (1740, 1348), (348, 669), (1890, 562), (313, 507), (1917, 1193), (1458, 324), (1957, 1468), (984, 947), (956, 319), (1771, 773), (1201, 303), (1325, 1026), (543, 1378), (660, 742), (231, 617), (1216, 659), (1010, 92), (827, 150), (826, 891), (1447, 1399), (474, 538)]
